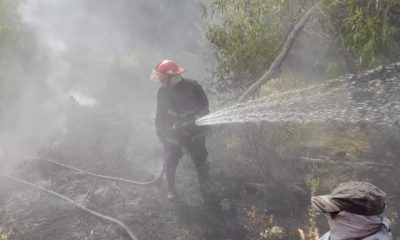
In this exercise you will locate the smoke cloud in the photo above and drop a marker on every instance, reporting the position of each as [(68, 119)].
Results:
[(95, 53)]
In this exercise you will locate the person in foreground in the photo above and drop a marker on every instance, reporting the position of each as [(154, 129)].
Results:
[(180, 101), (355, 211)]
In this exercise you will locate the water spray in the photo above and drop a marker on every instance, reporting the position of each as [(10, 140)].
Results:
[(371, 97)]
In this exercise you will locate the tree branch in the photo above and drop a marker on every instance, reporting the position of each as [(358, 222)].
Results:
[(279, 60)]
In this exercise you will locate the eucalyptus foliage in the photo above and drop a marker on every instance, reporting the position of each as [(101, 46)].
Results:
[(247, 38), (247, 35), (368, 31)]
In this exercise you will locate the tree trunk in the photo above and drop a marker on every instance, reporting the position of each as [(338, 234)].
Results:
[(279, 60)]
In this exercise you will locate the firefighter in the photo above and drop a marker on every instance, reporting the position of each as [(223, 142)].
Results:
[(180, 101), (355, 210)]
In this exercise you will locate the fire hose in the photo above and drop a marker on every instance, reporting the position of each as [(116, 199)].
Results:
[(156, 179), (80, 206), (99, 215), (104, 217), (173, 130), (169, 131)]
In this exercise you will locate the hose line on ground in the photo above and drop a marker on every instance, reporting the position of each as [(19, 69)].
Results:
[(156, 179), (104, 217)]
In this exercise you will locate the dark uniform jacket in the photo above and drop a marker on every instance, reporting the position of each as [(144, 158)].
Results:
[(181, 103)]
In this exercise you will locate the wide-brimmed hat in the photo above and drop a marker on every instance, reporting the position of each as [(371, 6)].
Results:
[(355, 197)]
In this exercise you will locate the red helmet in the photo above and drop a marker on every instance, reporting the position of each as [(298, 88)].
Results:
[(166, 67)]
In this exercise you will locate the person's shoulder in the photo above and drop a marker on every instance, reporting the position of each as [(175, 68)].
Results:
[(161, 90), (191, 81), (194, 84)]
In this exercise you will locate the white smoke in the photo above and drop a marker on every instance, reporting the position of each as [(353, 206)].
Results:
[(99, 53)]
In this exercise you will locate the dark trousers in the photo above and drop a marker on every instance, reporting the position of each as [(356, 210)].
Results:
[(197, 148)]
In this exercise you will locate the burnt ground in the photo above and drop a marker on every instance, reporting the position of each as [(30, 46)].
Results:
[(27, 213), (106, 143)]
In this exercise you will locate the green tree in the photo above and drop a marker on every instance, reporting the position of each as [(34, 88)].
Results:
[(247, 39), (367, 31), (249, 34)]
